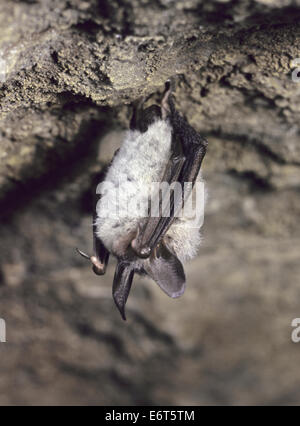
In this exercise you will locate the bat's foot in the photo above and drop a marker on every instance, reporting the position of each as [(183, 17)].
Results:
[(98, 267), (165, 108), (167, 98)]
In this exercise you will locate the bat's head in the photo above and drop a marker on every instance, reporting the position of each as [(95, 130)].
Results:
[(142, 117)]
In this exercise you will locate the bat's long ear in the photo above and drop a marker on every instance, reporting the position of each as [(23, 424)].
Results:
[(122, 285), (166, 270)]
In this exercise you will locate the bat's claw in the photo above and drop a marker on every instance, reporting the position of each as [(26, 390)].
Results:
[(86, 256)]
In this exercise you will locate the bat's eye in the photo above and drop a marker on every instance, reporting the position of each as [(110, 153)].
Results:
[(142, 252), (145, 252)]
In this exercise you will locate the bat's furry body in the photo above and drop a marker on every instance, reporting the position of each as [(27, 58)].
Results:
[(160, 147), (139, 162)]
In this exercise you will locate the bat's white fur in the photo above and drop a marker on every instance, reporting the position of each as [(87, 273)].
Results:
[(140, 161)]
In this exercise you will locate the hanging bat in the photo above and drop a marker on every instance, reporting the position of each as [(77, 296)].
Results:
[(159, 147)]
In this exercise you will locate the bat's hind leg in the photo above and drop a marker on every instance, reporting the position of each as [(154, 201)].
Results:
[(100, 257)]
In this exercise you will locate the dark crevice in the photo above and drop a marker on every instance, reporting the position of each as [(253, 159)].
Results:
[(254, 14), (88, 27), (152, 331), (263, 150), (276, 17), (87, 331), (255, 183), (251, 96), (55, 165)]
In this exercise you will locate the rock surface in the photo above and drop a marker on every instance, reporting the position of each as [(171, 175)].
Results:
[(69, 71)]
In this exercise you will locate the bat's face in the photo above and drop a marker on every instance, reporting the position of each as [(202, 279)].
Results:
[(160, 147)]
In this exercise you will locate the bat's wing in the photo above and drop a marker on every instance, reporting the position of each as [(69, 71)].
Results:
[(122, 285), (162, 266), (166, 270), (188, 151)]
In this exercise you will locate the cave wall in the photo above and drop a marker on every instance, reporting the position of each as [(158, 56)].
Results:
[(69, 71)]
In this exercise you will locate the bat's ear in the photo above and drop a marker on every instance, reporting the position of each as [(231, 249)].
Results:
[(143, 118), (122, 285), (166, 270)]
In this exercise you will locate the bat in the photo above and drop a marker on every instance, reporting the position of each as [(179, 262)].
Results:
[(160, 146)]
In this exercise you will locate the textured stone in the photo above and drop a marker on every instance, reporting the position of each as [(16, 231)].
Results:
[(69, 71)]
